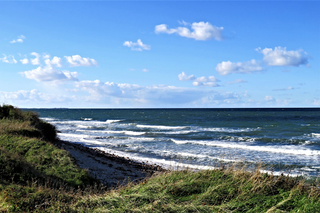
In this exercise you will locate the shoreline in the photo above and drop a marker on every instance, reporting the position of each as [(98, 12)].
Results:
[(111, 170)]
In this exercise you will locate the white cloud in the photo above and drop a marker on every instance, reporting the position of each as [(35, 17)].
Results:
[(25, 61), (138, 46), (288, 88), (19, 39), (145, 70), (56, 61), (281, 57), (269, 98), (204, 81), (31, 97), (316, 102), (201, 31), (201, 81), (50, 74), (185, 77), (36, 60), (45, 56), (8, 59), (77, 60), (228, 67), (183, 23), (207, 84), (137, 94), (237, 81)]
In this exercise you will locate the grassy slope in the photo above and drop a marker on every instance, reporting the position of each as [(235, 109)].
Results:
[(29, 160), (37, 176)]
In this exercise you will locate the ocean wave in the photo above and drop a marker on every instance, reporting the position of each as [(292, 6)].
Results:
[(47, 119), (315, 135), (109, 121), (286, 149), (182, 132), (86, 119), (141, 139), (230, 130), (161, 127), (70, 135), (113, 132), (201, 156)]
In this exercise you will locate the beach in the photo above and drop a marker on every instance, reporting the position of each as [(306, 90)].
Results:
[(111, 170)]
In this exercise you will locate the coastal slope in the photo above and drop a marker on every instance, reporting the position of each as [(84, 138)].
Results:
[(39, 173)]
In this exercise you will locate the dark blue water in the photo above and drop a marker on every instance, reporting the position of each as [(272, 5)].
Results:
[(283, 140)]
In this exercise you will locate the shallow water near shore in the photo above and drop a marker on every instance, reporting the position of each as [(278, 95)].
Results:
[(284, 140)]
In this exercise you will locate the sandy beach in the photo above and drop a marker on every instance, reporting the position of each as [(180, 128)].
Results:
[(111, 170)]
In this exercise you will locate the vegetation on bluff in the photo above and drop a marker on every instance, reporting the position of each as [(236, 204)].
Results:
[(36, 176)]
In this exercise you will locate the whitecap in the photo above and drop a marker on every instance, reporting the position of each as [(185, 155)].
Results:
[(315, 135), (230, 130), (109, 121), (286, 149), (86, 119), (161, 127)]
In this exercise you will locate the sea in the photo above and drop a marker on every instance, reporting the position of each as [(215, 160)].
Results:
[(274, 140)]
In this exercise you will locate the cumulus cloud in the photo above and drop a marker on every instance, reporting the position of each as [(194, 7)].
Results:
[(138, 46), (145, 70), (48, 73), (36, 60), (206, 81), (77, 60), (8, 59), (25, 61), (45, 56), (281, 57), (201, 81), (19, 39), (32, 97), (56, 61), (228, 67), (200, 31), (185, 77), (269, 98), (237, 81)]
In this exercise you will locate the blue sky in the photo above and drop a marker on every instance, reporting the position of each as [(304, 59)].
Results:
[(140, 54)]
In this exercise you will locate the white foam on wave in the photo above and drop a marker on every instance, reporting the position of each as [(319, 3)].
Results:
[(134, 133), (183, 132), (231, 130), (169, 164), (109, 121), (315, 135), (184, 154), (141, 139), (113, 132), (305, 124), (286, 149), (82, 126), (161, 127), (70, 136), (47, 119), (86, 119)]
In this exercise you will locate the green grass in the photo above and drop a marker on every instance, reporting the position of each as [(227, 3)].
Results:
[(36, 176)]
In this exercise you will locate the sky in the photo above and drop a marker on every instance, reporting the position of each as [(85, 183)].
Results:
[(159, 54)]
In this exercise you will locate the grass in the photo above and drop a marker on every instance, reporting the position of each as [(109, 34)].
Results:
[(36, 176)]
